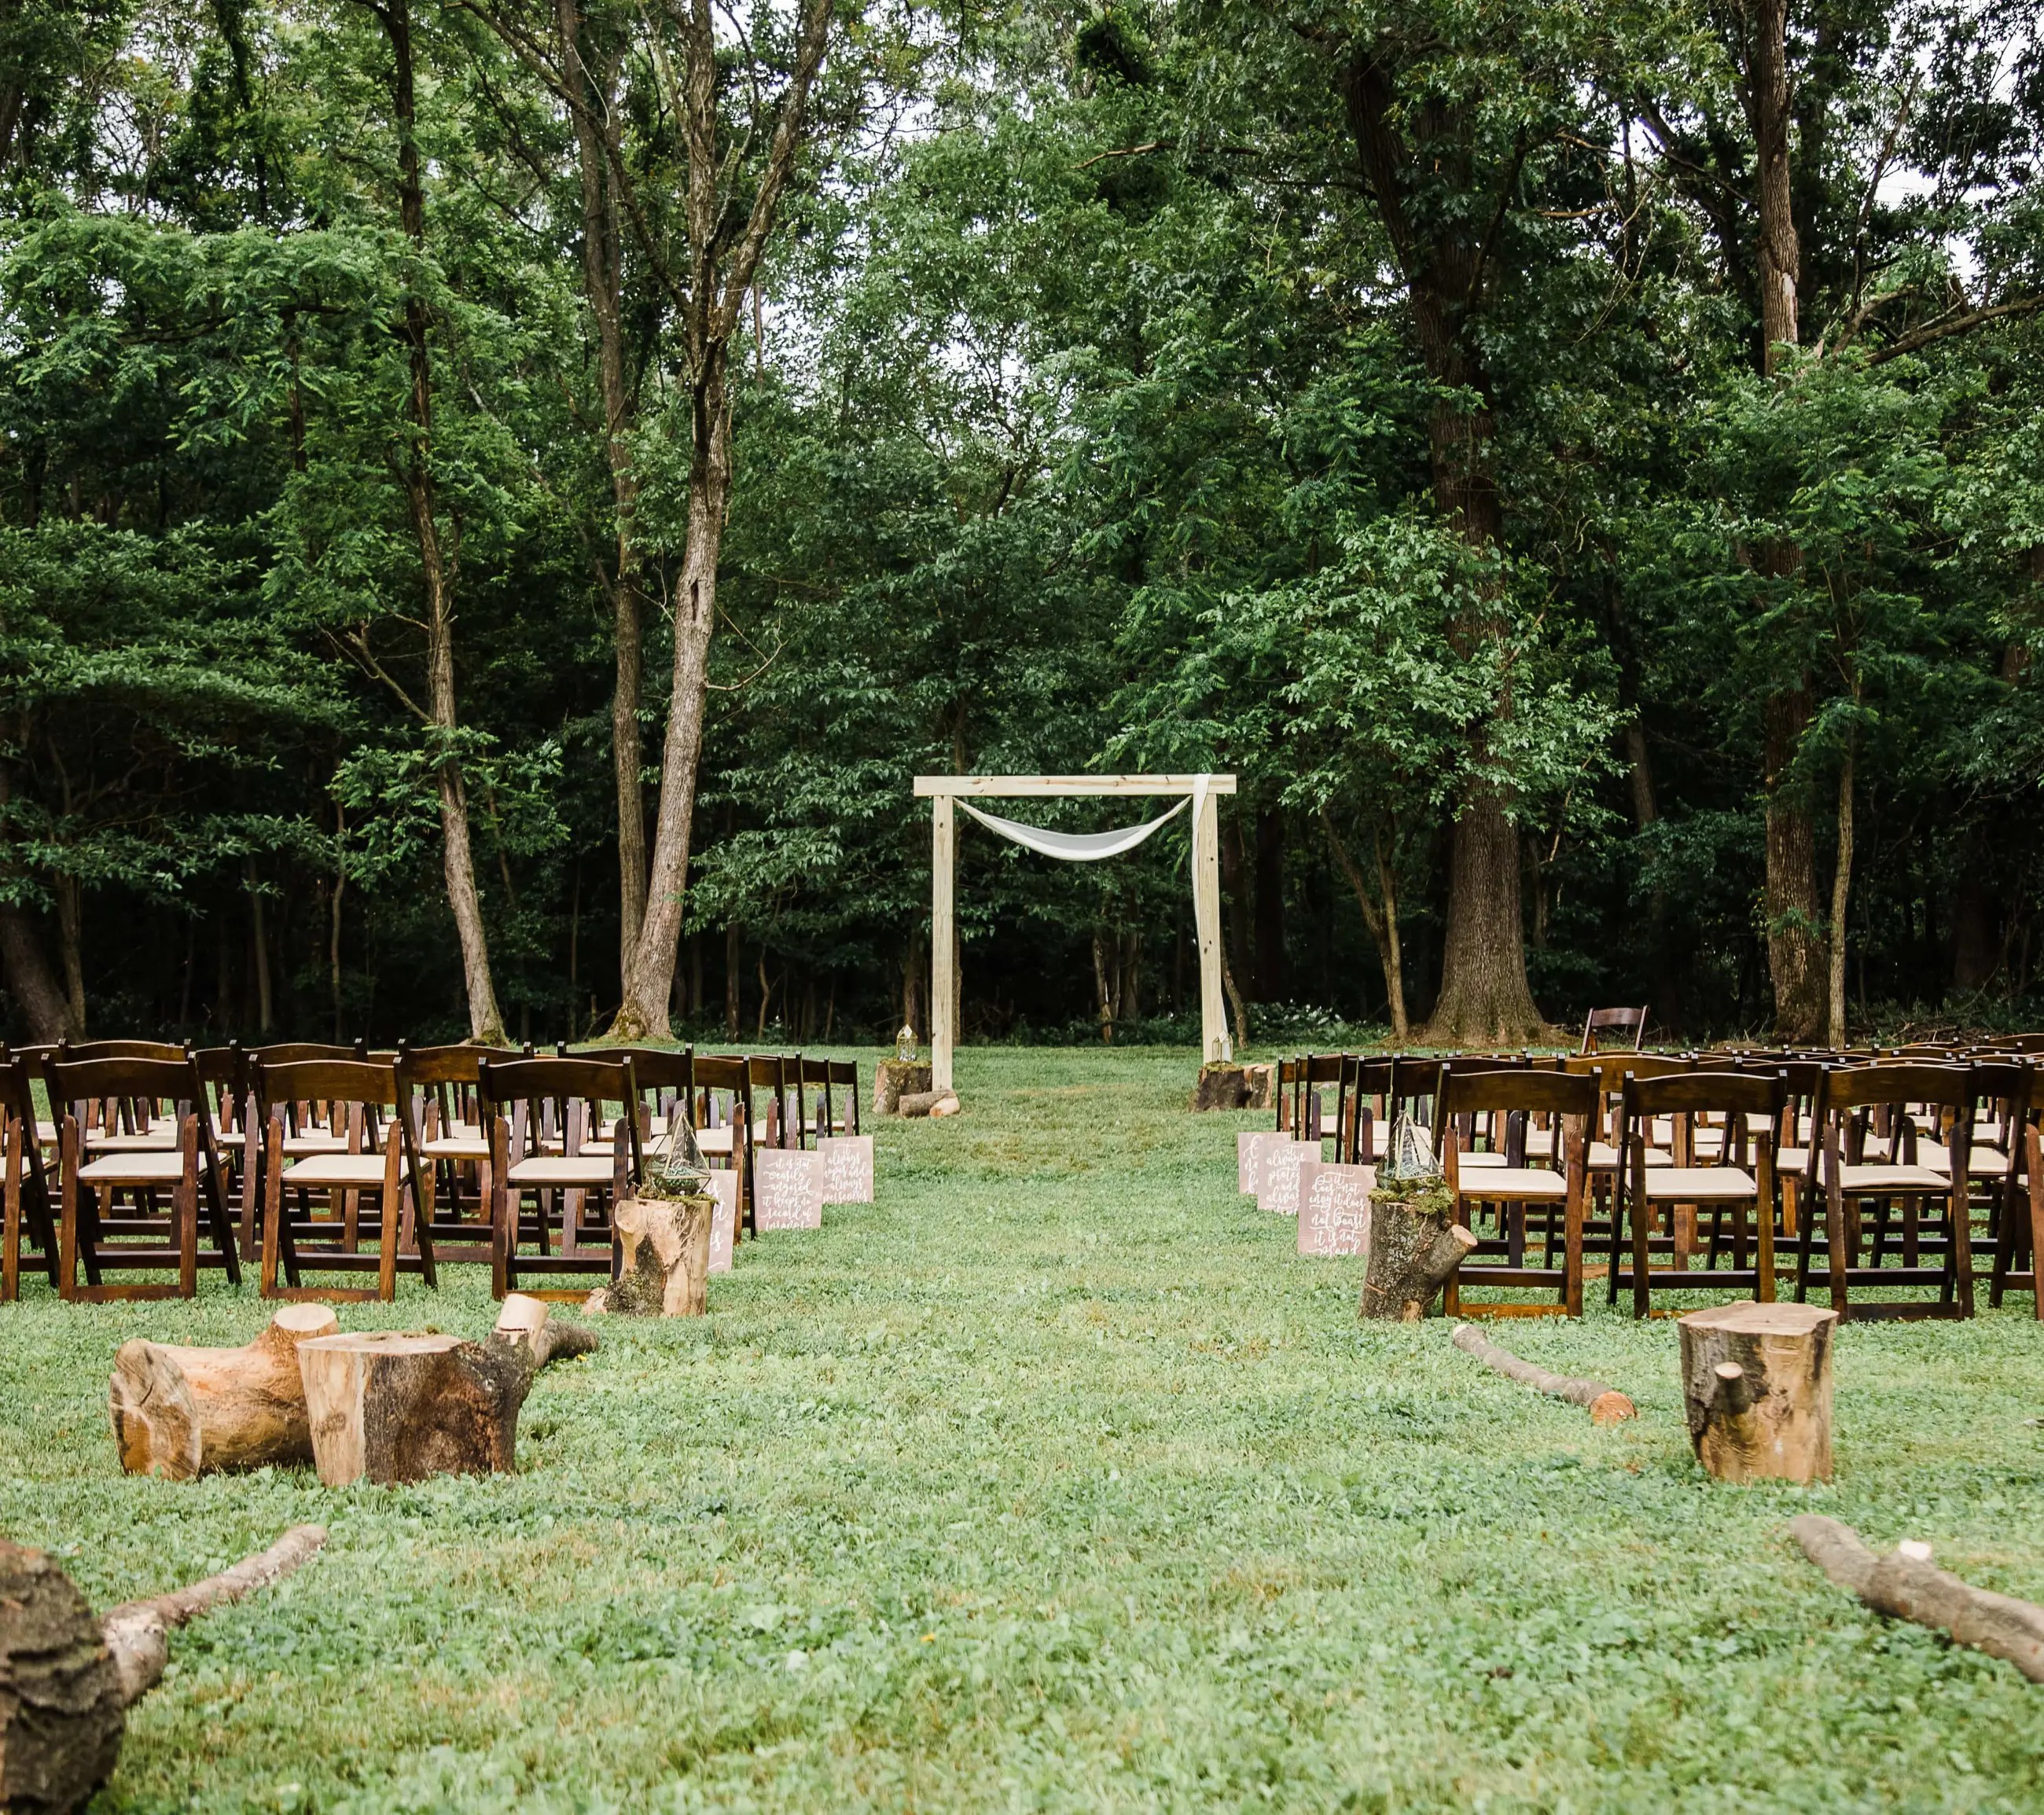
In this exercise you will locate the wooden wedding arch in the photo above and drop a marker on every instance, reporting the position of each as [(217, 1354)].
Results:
[(942, 790)]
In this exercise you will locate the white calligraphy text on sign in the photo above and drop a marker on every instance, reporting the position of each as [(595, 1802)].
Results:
[(1334, 1209)]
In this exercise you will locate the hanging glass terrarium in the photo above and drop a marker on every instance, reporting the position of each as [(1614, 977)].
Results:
[(904, 1043)]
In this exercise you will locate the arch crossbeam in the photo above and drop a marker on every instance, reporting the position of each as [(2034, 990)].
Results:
[(941, 791)]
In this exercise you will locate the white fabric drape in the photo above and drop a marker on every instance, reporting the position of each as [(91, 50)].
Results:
[(1076, 847)]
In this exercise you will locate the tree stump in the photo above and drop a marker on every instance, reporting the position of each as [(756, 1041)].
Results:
[(183, 1412), (1757, 1381), (1415, 1244), (894, 1079), (1224, 1084), (67, 1679), (666, 1258), (389, 1407)]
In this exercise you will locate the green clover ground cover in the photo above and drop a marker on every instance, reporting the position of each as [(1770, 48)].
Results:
[(1055, 1480)]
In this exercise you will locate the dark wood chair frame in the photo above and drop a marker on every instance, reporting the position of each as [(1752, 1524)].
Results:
[(443, 1086), (717, 1074), (515, 1094), (77, 1087), (1734, 1095), (1846, 1117), (27, 1195), (1619, 1021), (1513, 1093), (373, 1094)]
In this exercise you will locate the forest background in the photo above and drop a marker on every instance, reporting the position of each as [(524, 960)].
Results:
[(498, 498)]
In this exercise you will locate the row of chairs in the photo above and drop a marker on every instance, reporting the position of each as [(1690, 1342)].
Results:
[(1882, 1172), (342, 1160)]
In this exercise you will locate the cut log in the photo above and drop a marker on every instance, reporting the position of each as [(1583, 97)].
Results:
[(1414, 1246), (1225, 1085), (527, 1324), (389, 1407), (183, 1412), (665, 1271), (66, 1679), (929, 1103), (947, 1104), (1907, 1585), (895, 1079), (1757, 1382), (1605, 1404)]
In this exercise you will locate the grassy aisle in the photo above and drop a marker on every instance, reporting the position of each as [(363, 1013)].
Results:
[(1055, 1480)]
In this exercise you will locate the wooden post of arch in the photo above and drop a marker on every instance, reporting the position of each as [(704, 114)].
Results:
[(942, 790)]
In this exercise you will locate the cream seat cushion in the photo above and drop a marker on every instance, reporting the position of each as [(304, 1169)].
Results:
[(149, 1167), (352, 1171), (1698, 1184)]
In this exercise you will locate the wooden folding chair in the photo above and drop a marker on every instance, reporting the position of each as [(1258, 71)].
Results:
[(1307, 1115), (1868, 1117), (1367, 1095), (1518, 1193), (554, 1171), (138, 1127), (1617, 1024), (767, 1072), (1734, 1174), (26, 1186), (841, 1074), (371, 1181), (720, 1103), (443, 1090)]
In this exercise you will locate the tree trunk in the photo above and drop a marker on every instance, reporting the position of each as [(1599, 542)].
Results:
[(1274, 979), (592, 114), (1414, 1247), (643, 1013), (259, 946), (486, 1022), (334, 922), (666, 1270), (184, 1412), (1382, 921), (1841, 898), (1484, 999), (38, 998), (1781, 251), (1793, 945), (1757, 1380), (70, 941)]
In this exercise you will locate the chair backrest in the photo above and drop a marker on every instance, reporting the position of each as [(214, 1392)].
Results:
[(1729, 1093), (503, 1083), (151, 1080), (427, 1066), (1507, 1089), (1865, 1087), (654, 1068), (301, 1052), (17, 1098), (325, 1081), (225, 1068), (1619, 1024), (79, 1050)]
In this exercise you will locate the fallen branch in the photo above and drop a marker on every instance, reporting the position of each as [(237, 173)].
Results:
[(1907, 1585), (67, 1680), (138, 1632), (1605, 1404)]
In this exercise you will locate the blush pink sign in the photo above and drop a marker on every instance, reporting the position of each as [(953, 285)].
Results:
[(790, 1183), (1334, 1208), (1250, 1151), (724, 1220), (847, 1168), (1277, 1183)]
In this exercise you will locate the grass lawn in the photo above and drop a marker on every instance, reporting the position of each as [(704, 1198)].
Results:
[(1056, 1480)]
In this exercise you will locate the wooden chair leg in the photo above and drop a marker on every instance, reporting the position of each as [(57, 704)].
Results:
[(184, 1207), (10, 1193)]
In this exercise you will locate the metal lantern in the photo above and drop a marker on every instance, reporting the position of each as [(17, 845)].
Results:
[(904, 1043)]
